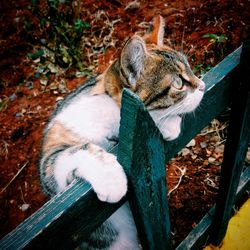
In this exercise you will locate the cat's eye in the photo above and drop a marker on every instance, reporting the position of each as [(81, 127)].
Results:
[(178, 83)]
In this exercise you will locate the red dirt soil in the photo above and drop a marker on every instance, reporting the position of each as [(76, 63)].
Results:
[(25, 105)]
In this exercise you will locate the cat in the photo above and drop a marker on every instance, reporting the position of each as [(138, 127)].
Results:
[(86, 124)]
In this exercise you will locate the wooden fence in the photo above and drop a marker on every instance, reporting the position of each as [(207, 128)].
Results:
[(69, 217)]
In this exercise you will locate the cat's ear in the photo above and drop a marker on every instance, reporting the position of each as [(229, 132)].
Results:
[(156, 34), (132, 59)]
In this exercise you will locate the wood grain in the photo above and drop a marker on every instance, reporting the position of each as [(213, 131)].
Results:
[(141, 153)]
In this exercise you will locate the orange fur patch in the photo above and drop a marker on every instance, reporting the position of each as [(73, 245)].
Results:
[(57, 136), (109, 82), (99, 88), (156, 36)]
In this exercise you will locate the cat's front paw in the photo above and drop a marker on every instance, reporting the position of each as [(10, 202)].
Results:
[(112, 185), (171, 128), (171, 134)]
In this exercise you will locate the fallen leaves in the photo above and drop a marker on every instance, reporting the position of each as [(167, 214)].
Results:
[(200, 155)]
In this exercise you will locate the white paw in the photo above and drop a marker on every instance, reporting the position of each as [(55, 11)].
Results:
[(171, 128), (102, 171), (111, 185), (171, 133)]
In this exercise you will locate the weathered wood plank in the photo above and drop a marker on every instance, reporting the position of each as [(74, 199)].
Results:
[(235, 149), (63, 222), (198, 237), (141, 153)]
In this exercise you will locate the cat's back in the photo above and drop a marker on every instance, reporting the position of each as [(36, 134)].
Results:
[(83, 116)]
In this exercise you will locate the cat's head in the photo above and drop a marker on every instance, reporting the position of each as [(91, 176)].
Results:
[(159, 75)]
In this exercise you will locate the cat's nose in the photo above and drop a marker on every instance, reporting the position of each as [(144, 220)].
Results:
[(201, 86)]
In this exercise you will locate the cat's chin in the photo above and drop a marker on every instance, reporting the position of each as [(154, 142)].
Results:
[(169, 120)]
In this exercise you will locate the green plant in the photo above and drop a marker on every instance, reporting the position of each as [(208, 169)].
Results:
[(218, 43), (215, 38), (61, 30), (213, 52), (202, 68)]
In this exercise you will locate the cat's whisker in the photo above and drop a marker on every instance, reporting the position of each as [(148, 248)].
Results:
[(192, 47), (182, 39), (176, 110), (174, 39), (166, 115)]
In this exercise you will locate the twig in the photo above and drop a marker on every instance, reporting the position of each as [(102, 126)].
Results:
[(216, 129), (19, 171), (183, 171), (22, 196), (220, 142), (5, 150), (210, 183)]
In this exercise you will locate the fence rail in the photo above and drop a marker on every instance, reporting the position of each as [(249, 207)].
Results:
[(69, 217)]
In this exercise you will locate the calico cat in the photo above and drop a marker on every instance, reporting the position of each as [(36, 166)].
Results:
[(86, 124)]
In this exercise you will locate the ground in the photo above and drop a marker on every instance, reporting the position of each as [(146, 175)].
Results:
[(27, 99)]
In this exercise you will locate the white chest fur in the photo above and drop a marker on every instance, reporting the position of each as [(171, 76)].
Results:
[(95, 118)]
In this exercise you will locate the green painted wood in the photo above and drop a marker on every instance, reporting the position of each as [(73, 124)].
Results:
[(198, 237), (141, 153), (235, 149), (63, 222)]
